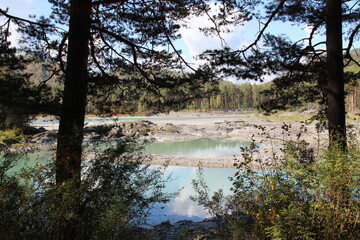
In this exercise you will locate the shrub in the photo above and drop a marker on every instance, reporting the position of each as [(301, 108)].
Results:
[(116, 193), (304, 196), (11, 136)]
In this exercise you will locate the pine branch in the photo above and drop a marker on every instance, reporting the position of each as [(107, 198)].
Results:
[(105, 2), (18, 19), (351, 40), (261, 32)]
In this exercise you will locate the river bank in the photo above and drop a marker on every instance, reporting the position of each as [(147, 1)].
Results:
[(185, 126)]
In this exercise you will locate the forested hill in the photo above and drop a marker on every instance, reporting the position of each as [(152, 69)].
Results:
[(231, 96), (225, 96)]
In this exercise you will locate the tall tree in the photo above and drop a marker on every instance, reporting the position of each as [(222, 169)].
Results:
[(309, 69), (335, 89), (109, 43), (19, 98), (70, 135), (106, 42)]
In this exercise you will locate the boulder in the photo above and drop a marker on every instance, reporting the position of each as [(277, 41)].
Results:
[(45, 138)]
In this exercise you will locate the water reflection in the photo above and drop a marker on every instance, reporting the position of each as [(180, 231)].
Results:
[(182, 208), (197, 148)]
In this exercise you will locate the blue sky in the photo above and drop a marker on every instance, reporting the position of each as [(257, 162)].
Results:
[(193, 42)]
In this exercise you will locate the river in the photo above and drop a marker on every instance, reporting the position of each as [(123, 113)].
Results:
[(181, 207)]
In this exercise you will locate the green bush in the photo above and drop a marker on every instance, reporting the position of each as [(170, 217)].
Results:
[(11, 136), (116, 193), (304, 195)]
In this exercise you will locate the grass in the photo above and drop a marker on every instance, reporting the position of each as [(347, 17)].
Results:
[(284, 117), (11, 136)]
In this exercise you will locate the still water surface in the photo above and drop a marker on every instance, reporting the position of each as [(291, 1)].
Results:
[(197, 148), (180, 208)]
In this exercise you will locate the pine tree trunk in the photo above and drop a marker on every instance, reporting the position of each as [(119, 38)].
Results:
[(70, 135), (335, 74)]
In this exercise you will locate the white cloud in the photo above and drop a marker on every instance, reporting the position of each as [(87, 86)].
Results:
[(197, 42), (23, 9)]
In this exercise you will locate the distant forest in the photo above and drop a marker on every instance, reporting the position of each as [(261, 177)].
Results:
[(225, 96)]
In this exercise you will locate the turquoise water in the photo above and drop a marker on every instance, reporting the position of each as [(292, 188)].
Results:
[(197, 148), (31, 159), (181, 207), (129, 119)]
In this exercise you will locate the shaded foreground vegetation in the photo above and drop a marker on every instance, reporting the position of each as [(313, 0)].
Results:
[(309, 194), (117, 191)]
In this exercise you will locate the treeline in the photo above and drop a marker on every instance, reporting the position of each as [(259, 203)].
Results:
[(231, 96), (125, 99), (225, 96), (110, 99)]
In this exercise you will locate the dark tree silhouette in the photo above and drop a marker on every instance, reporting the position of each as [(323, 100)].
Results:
[(113, 42), (109, 43), (309, 70), (335, 89), (19, 98)]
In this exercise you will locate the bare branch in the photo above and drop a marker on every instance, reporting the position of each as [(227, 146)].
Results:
[(177, 52), (105, 2), (133, 48), (311, 37), (134, 63), (92, 53), (18, 19), (43, 82), (313, 31), (61, 48), (261, 33), (351, 40), (119, 38), (351, 16), (5, 23), (217, 29)]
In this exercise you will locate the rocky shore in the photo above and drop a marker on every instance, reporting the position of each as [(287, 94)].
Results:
[(234, 126)]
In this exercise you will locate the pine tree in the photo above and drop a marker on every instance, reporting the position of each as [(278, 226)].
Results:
[(308, 70)]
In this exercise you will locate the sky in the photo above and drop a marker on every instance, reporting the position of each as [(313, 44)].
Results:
[(192, 43)]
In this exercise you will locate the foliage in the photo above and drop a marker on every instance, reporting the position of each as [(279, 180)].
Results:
[(278, 54), (126, 59), (306, 195), (19, 99), (309, 69), (12, 113), (117, 190), (127, 98), (306, 84), (14, 135)]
